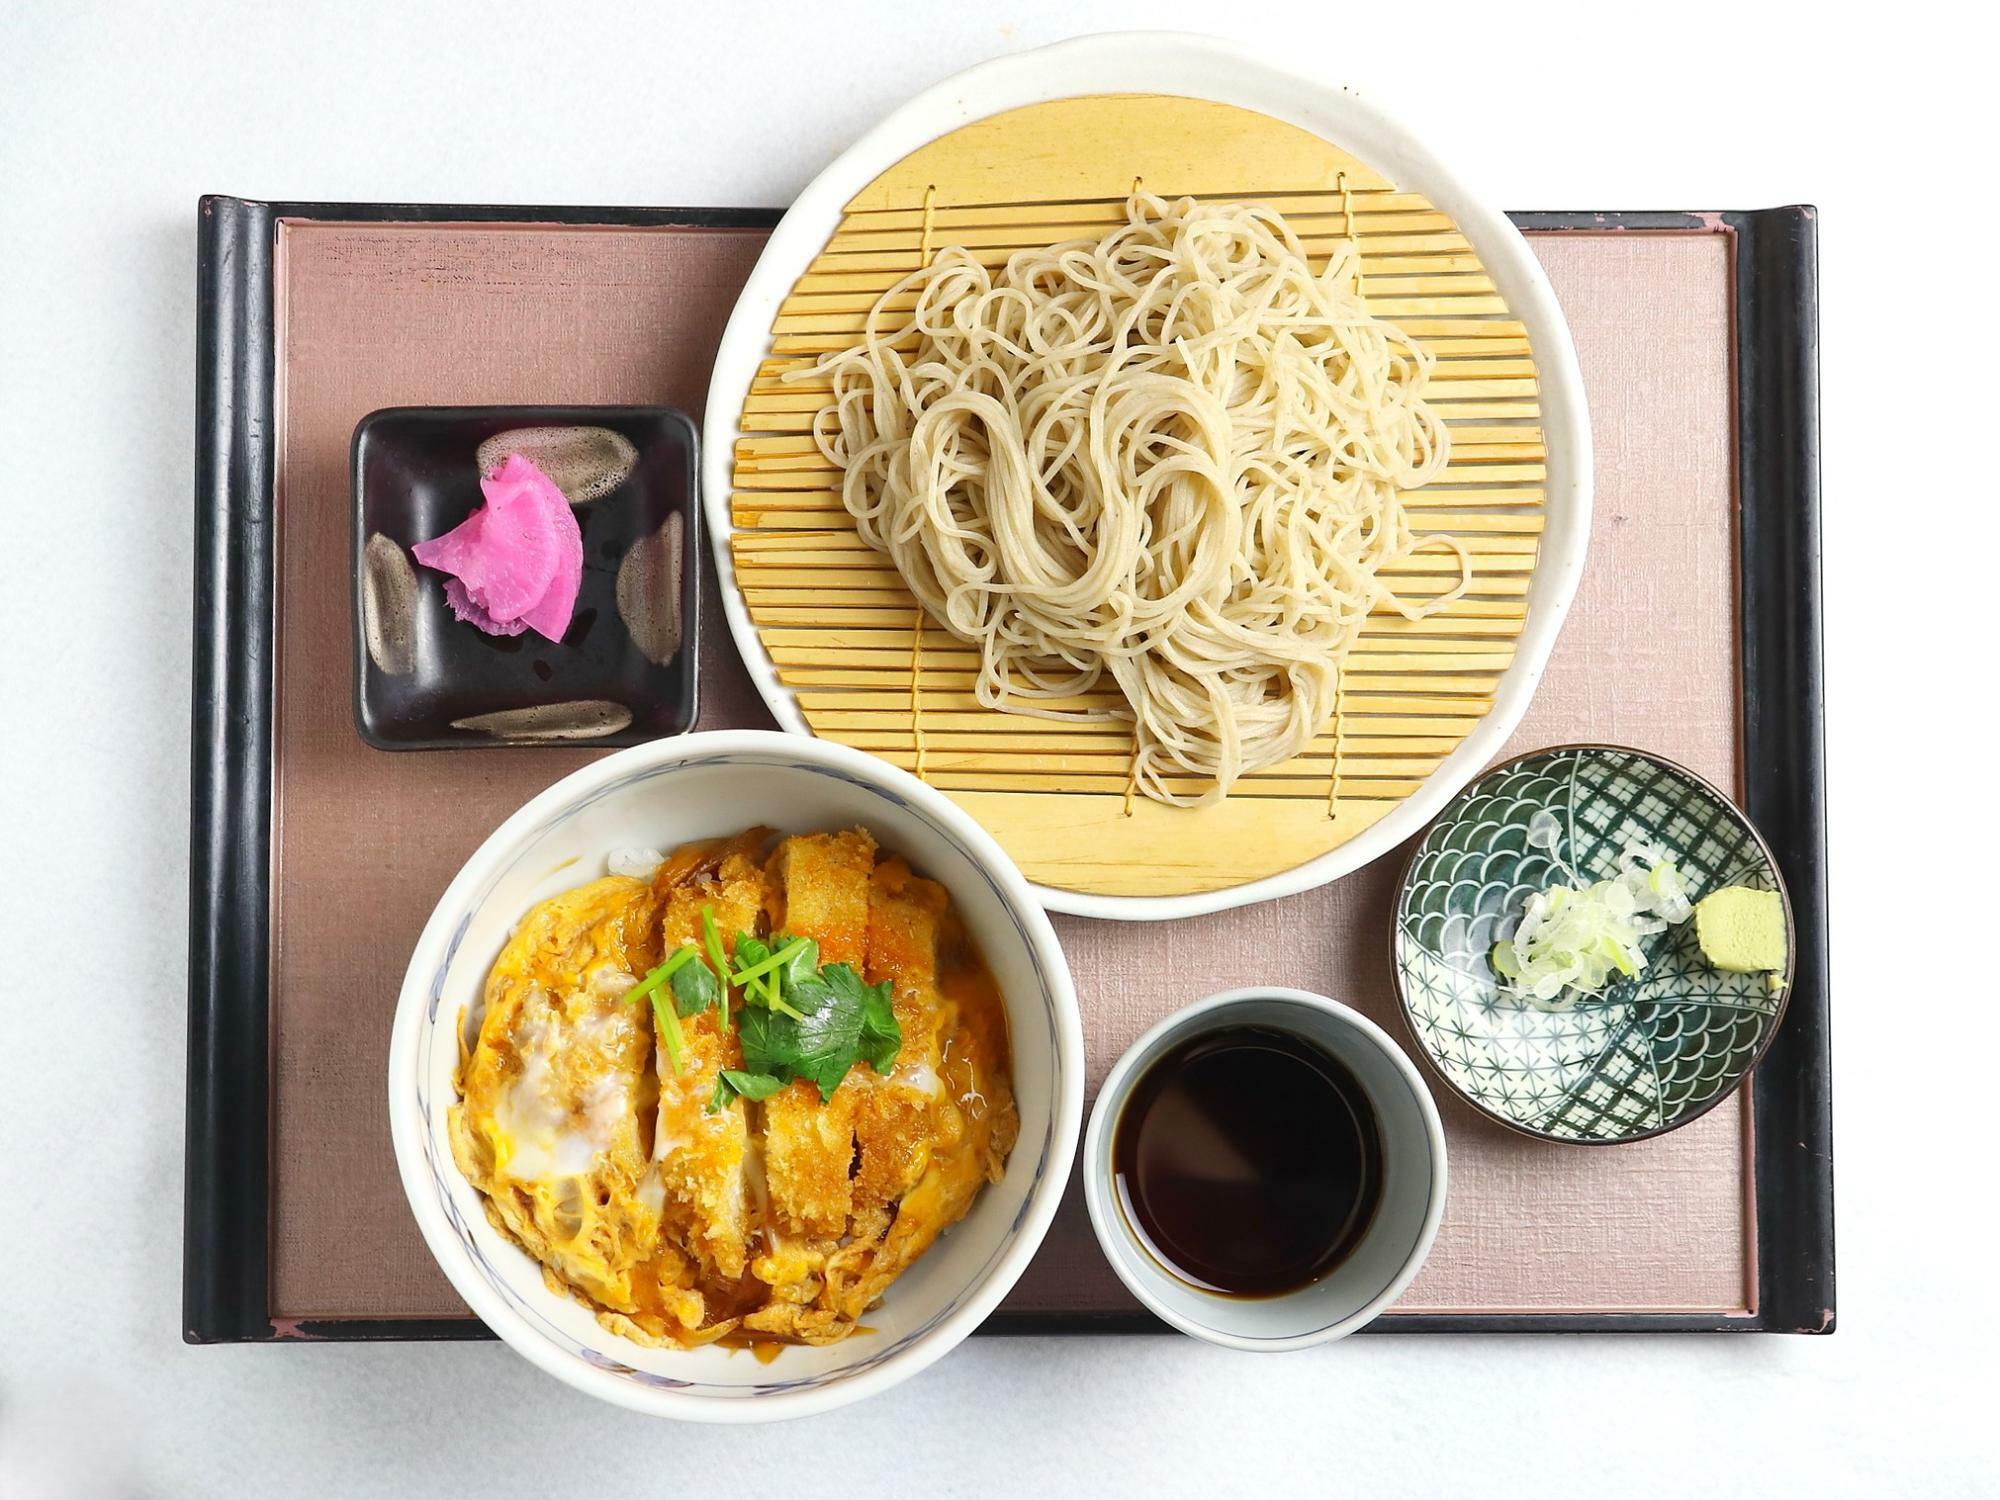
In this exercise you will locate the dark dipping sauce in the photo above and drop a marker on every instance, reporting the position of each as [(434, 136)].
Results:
[(1248, 1160)]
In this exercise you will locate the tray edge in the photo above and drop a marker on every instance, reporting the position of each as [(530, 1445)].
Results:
[(226, 1259), (226, 1253)]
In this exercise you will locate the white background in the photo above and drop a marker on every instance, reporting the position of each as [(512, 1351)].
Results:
[(112, 121)]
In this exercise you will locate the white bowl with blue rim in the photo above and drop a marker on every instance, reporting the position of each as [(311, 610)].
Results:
[(664, 794)]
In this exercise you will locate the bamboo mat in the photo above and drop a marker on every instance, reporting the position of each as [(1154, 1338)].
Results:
[(869, 670)]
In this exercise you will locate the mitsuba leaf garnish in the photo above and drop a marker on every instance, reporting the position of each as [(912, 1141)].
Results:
[(881, 1033), (838, 1022), (764, 1049), (695, 986), (733, 1083), (752, 1085), (798, 959), (799, 1020)]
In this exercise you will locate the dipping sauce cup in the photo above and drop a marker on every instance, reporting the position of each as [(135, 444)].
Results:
[(1405, 1168)]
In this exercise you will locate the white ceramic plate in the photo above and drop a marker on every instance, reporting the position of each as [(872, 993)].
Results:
[(1198, 67), (660, 795)]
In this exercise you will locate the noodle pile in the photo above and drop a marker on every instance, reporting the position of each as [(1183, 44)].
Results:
[(1171, 457)]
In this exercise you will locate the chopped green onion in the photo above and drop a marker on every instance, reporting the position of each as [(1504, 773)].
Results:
[(658, 977), (1574, 938), (714, 941)]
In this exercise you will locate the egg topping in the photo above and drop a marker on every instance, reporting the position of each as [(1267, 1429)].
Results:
[(681, 1220)]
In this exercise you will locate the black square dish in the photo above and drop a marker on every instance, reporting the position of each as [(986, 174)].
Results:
[(624, 671)]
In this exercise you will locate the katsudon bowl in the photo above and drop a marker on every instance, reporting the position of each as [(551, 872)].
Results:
[(659, 796)]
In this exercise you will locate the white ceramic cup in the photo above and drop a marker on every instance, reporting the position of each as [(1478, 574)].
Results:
[(1406, 1219)]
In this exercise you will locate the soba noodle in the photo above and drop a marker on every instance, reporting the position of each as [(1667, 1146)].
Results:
[(1171, 457)]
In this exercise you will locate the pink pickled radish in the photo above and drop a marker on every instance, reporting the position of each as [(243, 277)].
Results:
[(517, 562), (468, 609)]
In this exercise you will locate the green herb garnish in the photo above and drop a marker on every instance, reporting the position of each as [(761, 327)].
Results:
[(881, 1032), (774, 994), (732, 1083), (695, 988), (763, 960), (832, 1022), (670, 1029), (713, 941), (762, 968), (659, 976), (766, 1043), (749, 950), (653, 988), (799, 961), (799, 1020)]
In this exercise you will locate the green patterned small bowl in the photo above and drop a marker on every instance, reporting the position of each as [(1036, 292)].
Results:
[(1645, 1054)]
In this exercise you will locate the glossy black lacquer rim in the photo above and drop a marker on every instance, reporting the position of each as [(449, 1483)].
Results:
[(226, 1260), (1694, 778)]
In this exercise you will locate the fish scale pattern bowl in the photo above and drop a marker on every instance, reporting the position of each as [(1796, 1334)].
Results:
[(1644, 1054)]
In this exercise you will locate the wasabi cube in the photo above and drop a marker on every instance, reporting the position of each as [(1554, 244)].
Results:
[(1741, 930)]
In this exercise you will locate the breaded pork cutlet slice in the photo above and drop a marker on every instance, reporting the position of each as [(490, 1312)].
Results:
[(702, 1155), (898, 1121), (940, 1126), (823, 887), (809, 1143)]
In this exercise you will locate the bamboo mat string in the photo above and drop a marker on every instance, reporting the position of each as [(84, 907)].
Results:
[(917, 687), (1132, 765), (917, 622), (1333, 776), (1347, 231), (1132, 771)]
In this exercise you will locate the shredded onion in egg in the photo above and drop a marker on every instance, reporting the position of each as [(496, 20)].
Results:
[(639, 864)]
